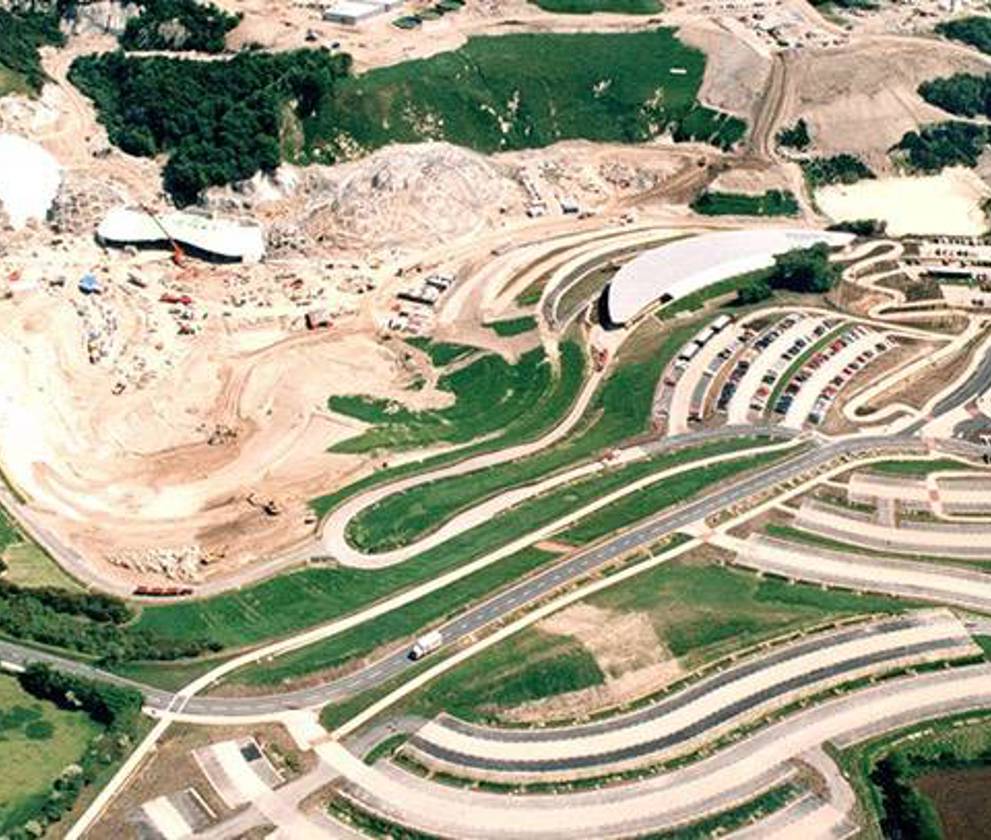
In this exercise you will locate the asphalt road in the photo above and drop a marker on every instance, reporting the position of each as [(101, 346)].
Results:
[(505, 603)]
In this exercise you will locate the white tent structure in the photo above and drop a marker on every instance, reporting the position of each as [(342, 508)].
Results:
[(672, 271), (29, 179), (220, 238)]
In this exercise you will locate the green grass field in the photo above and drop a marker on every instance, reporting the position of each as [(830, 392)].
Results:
[(525, 91), (403, 518), (771, 203), (529, 665), (700, 611), (696, 300), (800, 361), (587, 7), (441, 353), (37, 742), (28, 565), (513, 326), (703, 612), (916, 469), (490, 396), (303, 598), (409, 621), (636, 506)]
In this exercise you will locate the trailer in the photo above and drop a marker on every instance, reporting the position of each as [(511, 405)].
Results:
[(426, 644)]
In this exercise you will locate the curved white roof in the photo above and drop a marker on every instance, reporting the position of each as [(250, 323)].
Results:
[(685, 266), (216, 236)]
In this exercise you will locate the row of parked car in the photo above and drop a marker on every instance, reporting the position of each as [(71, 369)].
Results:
[(799, 346), (830, 392), (744, 362)]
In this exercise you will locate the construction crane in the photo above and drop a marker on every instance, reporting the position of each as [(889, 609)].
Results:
[(178, 255)]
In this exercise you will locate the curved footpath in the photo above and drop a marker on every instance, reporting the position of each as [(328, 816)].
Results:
[(332, 529), (913, 579), (534, 588), (335, 539), (699, 713), (731, 776)]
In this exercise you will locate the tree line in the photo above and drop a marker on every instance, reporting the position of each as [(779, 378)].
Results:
[(88, 623), (219, 122)]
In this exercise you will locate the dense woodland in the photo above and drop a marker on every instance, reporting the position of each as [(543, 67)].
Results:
[(218, 121), (178, 25), (21, 34), (802, 270), (975, 31)]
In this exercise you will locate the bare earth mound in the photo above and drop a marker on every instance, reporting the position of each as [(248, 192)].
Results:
[(862, 99)]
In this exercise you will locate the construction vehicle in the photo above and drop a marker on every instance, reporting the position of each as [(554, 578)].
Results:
[(270, 507), (599, 358), (171, 297), (178, 255)]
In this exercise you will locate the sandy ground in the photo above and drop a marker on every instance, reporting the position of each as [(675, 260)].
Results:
[(862, 98), (626, 649), (948, 203)]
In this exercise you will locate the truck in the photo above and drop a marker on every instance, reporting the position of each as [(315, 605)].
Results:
[(426, 644)]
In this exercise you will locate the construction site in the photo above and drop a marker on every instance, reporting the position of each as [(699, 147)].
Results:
[(494, 419)]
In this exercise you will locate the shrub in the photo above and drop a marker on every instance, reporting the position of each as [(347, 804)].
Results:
[(21, 33), (975, 31), (839, 169), (796, 137), (804, 270), (861, 227), (755, 291)]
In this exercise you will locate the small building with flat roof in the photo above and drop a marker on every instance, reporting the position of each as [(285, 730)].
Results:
[(352, 12)]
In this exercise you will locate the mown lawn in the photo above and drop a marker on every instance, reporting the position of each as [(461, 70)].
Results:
[(771, 203), (702, 611), (529, 665), (526, 91), (409, 621), (513, 326), (619, 411), (37, 742)]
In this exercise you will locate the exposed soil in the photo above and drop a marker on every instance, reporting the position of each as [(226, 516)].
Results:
[(961, 799)]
